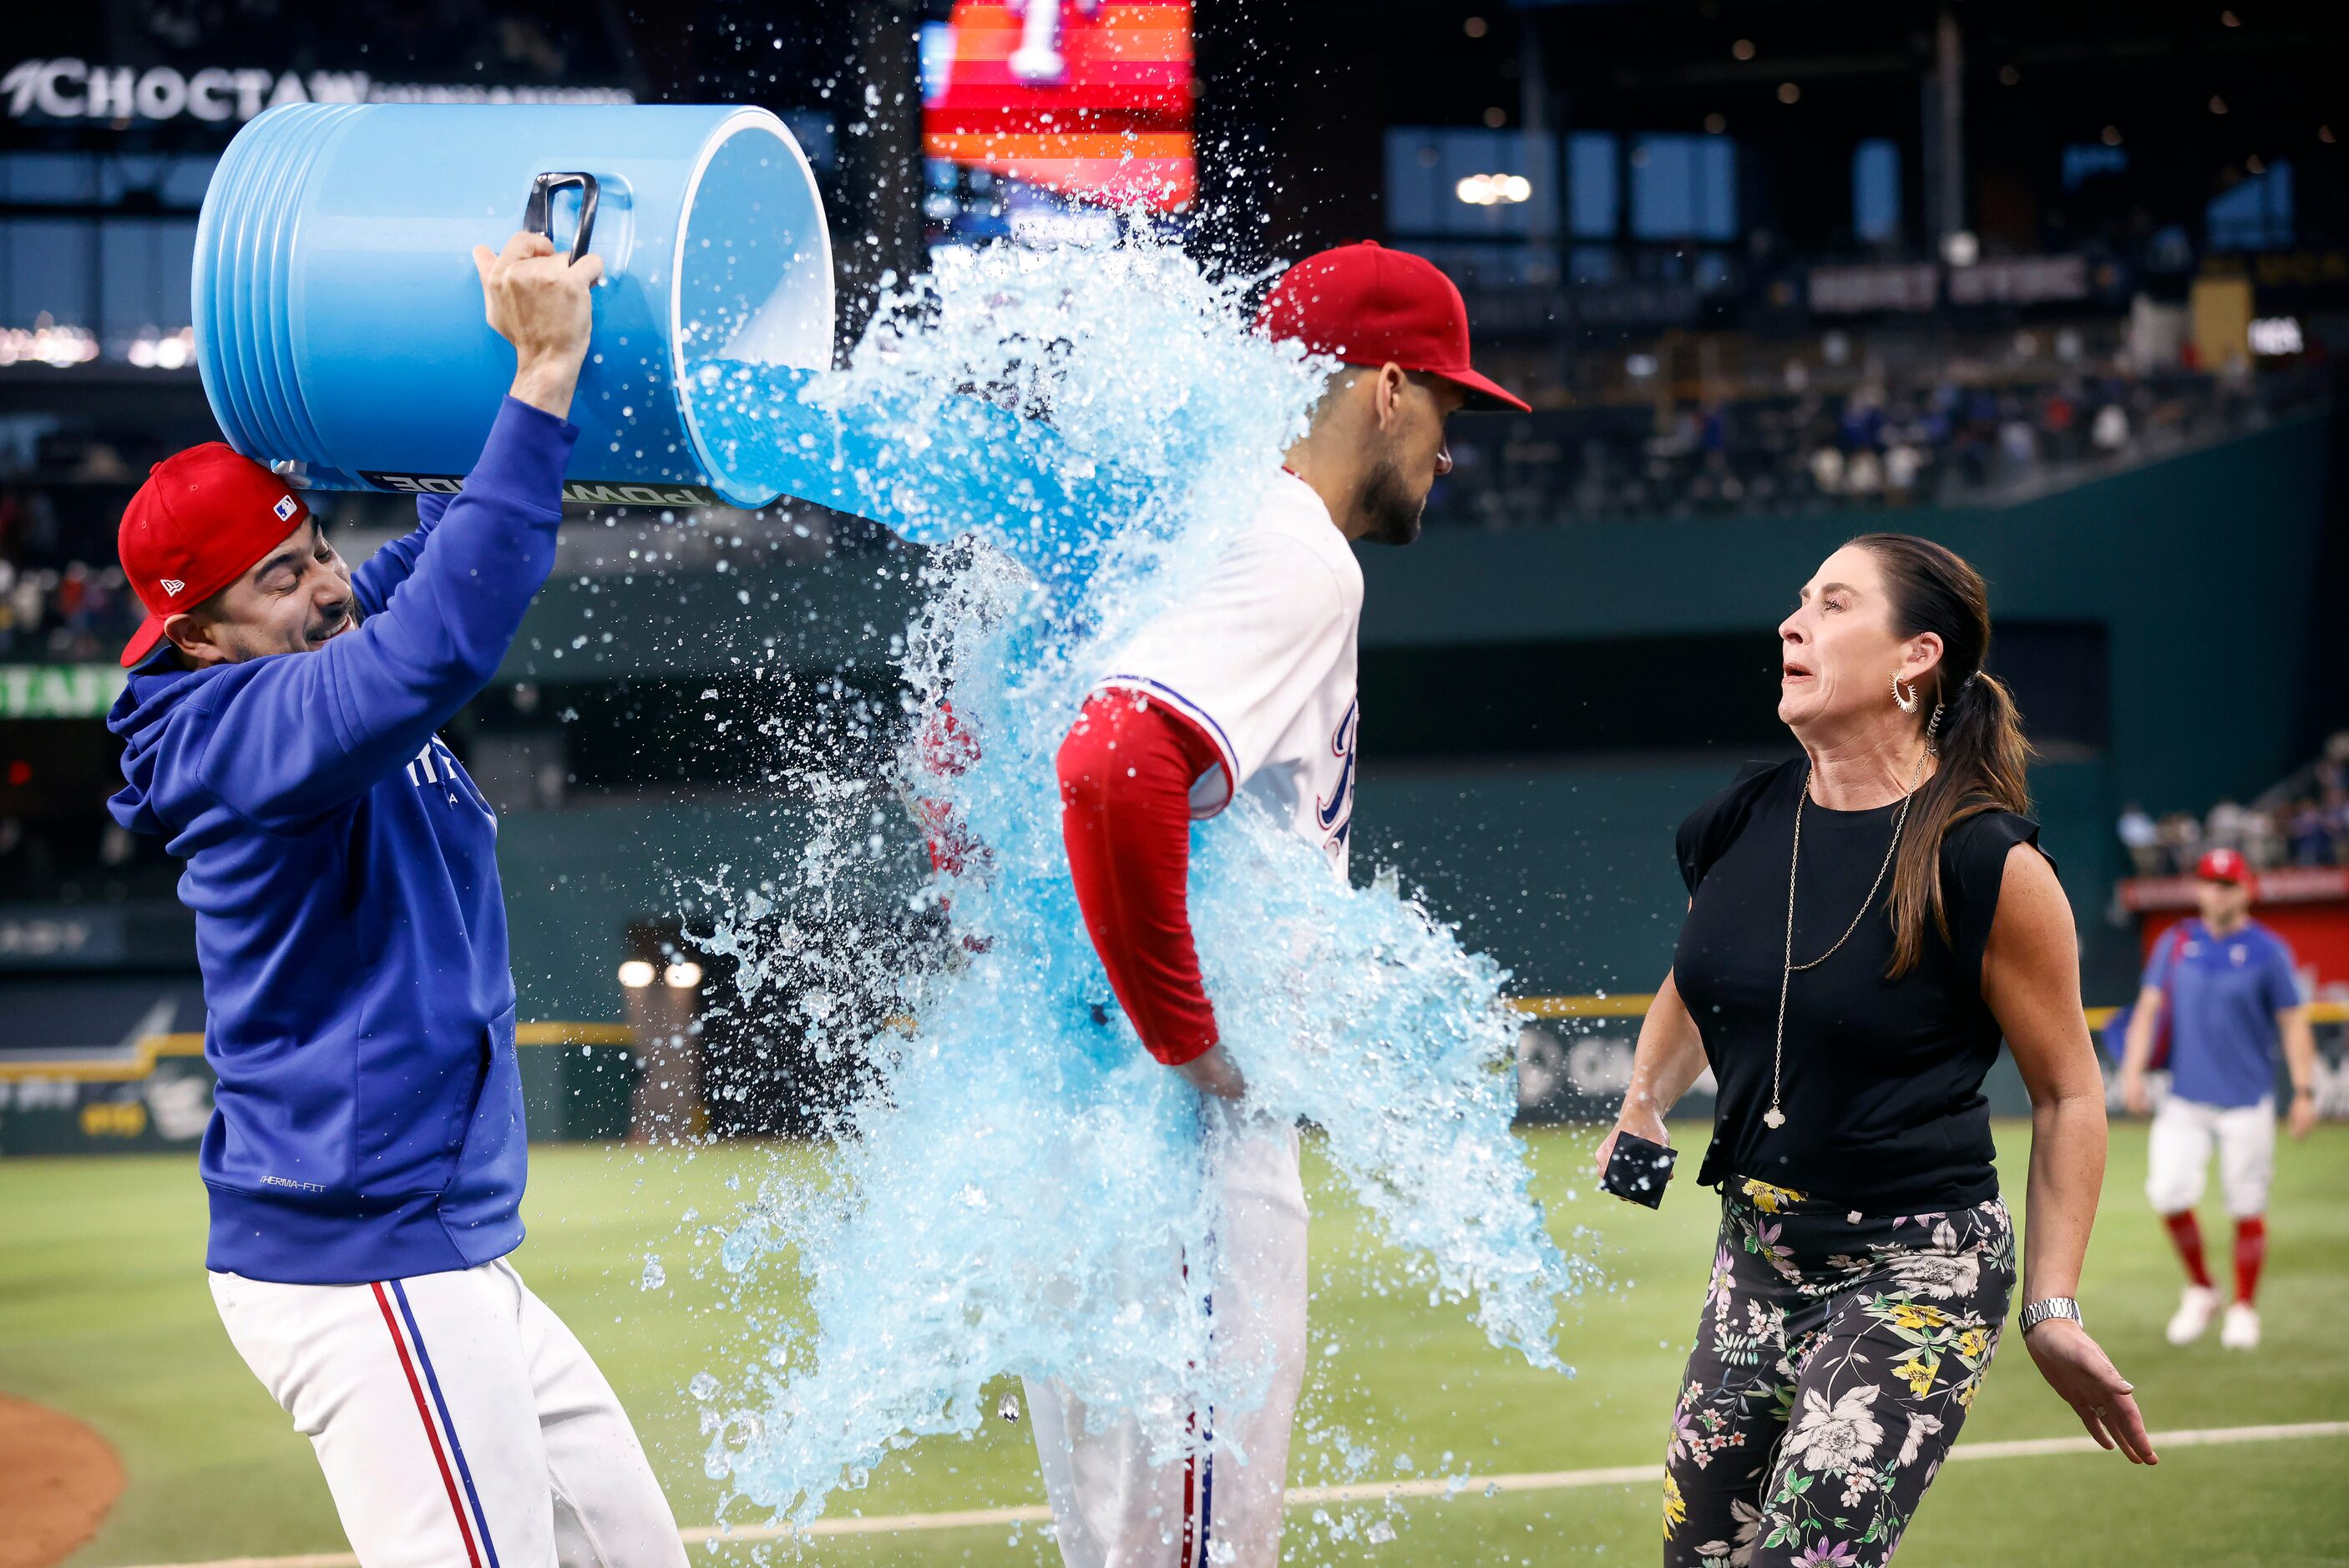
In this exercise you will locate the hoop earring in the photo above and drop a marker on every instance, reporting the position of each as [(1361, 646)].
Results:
[(1907, 704)]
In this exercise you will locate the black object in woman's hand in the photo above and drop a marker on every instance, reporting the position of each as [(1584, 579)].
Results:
[(1638, 1169)]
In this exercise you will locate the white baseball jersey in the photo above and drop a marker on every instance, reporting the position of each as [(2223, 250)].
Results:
[(1261, 655)]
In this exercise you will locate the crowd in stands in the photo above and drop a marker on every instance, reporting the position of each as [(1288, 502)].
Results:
[(1873, 445), (1878, 441), (63, 599), (2303, 821)]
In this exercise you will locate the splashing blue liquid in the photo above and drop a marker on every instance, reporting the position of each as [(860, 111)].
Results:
[(1012, 1182)]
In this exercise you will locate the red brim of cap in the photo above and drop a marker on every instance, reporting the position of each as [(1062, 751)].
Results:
[(142, 641), (1485, 396)]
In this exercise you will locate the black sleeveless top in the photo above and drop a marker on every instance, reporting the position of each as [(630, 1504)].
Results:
[(1881, 1084)]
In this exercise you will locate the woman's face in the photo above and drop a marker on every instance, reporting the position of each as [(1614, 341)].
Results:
[(1839, 650)]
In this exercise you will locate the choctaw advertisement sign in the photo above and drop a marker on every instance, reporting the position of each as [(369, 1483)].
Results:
[(72, 91), (1086, 97)]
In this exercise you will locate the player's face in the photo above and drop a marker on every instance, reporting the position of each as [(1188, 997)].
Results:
[(1839, 649), (2224, 905), (294, 600), (1415, 455)]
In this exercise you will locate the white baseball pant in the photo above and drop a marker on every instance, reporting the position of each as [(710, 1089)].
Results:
[(459, 1424), (1111, 1508), (2177, 1155)]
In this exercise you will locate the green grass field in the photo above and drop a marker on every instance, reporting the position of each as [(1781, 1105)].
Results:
[(104, 1315)]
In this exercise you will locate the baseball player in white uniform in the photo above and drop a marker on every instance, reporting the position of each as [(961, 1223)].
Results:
[(1247, 686)]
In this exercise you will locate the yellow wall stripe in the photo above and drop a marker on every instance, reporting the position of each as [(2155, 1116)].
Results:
[(140, 1062), (1630, 1005)]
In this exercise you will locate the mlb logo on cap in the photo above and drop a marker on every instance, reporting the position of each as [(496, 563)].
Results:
[(286, 508)]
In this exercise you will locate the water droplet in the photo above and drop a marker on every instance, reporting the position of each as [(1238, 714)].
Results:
[(655, 1277), (1009, 1407)]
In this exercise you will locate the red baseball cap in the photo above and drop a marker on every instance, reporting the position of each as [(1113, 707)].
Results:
[(203, 517), (2224, 865), (1365, 304)]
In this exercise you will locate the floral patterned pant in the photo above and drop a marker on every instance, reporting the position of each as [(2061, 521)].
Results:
[(1836, 1360)]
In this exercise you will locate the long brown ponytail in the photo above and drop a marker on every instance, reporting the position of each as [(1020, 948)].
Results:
[(1980, 744)]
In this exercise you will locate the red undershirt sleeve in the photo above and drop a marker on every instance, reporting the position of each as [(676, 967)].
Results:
[(1126, 769)]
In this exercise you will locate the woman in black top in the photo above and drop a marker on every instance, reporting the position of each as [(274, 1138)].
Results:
[(1865, 923)]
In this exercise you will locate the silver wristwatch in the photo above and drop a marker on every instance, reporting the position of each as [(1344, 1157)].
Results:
[(2039, 1311)]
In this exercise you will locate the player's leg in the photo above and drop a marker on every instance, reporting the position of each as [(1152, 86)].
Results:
[(1732, 1409), (2247, 1142), (416, 1398), (2177, 1165), (1111, 1508), (1234, 1495), (609, 1511)]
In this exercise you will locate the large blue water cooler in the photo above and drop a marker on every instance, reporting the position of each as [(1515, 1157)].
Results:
[(338, 315)]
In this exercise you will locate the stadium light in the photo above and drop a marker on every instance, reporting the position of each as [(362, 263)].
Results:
[(636, 973), (47, 344), (153, 351), (682, 976), (2274, 334), (1493, 190)]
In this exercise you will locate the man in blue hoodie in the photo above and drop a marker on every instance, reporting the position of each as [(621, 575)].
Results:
[(366, 1156)]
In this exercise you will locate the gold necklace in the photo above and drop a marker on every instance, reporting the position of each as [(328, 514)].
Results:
[(1776, 1118)]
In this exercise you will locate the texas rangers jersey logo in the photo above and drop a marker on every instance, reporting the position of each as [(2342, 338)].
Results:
[(1335, 811), (436, 764), (435, 768)]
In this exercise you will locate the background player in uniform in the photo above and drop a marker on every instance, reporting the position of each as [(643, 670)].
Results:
[(365, 1154), (1246, 686), (2227, 983)]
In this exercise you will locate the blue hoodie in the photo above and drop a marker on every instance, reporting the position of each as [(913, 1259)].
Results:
[(367, 1124)]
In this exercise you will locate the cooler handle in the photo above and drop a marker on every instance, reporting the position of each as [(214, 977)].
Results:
[(538, 217)]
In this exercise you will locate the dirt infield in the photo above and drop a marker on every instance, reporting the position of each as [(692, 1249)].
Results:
[(62, 1477)]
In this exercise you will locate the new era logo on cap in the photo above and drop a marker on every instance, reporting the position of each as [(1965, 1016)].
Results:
[(284, 509), (172, 586)]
